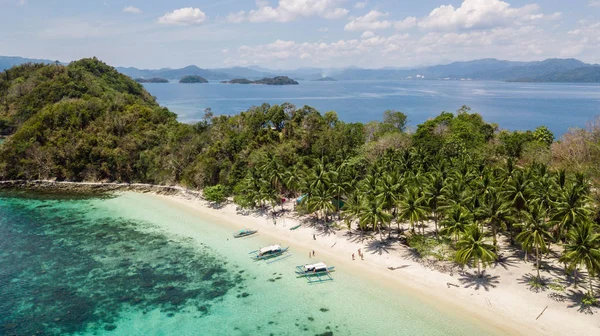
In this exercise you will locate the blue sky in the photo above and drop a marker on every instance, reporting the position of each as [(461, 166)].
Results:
[(299, 33)]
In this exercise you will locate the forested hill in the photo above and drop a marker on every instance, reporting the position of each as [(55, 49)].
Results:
[(86, 121)]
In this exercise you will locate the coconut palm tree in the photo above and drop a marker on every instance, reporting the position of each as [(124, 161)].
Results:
[(457, 220), (473, 247), (388, 191), (517, 191), (583, 249), (293, 180), (352, 207), (496, 211), (373, 213), (319, 200), (535, 234), (571, 208), (412, 208), (434, 196), (339, 184)]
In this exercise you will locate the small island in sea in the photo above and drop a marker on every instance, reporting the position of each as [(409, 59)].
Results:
[(325, 79), (278, 80), (152, 80), (193, 80)]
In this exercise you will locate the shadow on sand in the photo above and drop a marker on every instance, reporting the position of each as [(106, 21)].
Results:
[(475, 281)]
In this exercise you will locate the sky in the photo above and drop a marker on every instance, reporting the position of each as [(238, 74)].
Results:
[(288, 34)]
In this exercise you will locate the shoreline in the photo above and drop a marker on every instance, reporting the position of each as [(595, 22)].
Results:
[(505, 304)]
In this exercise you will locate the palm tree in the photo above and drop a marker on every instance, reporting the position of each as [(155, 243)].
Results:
[(292, 179), (473, 247), (411, 207), (571, 207), (351, 208), (517, 191), (583, 248), (434, 186), (318, 177), (535, 233), (496, 211), (319, 200), (372, 212), (339, 184), (458, 219)]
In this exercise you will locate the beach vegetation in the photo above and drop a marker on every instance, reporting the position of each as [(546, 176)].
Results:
[(215, 194)]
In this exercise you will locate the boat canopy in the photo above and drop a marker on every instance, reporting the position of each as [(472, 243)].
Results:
[(268, 249), (315, 267)]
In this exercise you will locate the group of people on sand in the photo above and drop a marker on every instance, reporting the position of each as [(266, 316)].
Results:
[(360, 254)]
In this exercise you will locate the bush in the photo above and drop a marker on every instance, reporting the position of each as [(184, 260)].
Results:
[(216, 194)]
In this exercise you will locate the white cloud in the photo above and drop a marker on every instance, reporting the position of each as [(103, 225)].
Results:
[(132, 10), (516, 42), (407, 23), (360, 5), (184, 17), (594, 3), (370, 21), (290, 10), (237, 17), (367, 34), (477, 14)]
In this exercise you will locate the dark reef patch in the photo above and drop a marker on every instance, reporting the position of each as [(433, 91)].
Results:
[(63, 271)]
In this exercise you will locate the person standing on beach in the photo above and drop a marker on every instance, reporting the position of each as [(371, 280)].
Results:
[(352, 256), (313, 253), (314, 237)]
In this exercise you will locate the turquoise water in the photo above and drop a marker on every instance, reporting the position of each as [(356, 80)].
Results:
[(107, 265), (511, 105)]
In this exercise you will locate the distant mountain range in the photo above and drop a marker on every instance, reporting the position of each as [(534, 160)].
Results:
[(550, 70), (7, 62)]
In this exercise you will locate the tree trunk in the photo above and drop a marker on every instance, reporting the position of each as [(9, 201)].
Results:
[(537, 262), (494, 233), (479, 274), (591, 277)]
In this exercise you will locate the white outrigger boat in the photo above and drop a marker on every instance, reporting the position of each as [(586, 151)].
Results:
[(269, 252), (318, 272), (244, 233)]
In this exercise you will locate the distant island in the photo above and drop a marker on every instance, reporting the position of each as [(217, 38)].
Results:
[(193, 80), (278, 80), (151, 80), (325, 79)]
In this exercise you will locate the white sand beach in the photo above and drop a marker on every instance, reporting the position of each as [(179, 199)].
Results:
[(502, 299)]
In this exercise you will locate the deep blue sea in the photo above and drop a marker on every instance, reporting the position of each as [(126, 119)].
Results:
[(511, 105)]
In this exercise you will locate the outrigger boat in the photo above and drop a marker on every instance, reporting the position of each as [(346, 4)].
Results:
[(269, 252), (244, 233), (318, 272)]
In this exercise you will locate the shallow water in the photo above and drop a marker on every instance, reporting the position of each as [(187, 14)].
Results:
[(106, 265)]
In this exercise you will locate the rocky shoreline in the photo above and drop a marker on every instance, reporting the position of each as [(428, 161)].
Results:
[(97, 187)]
